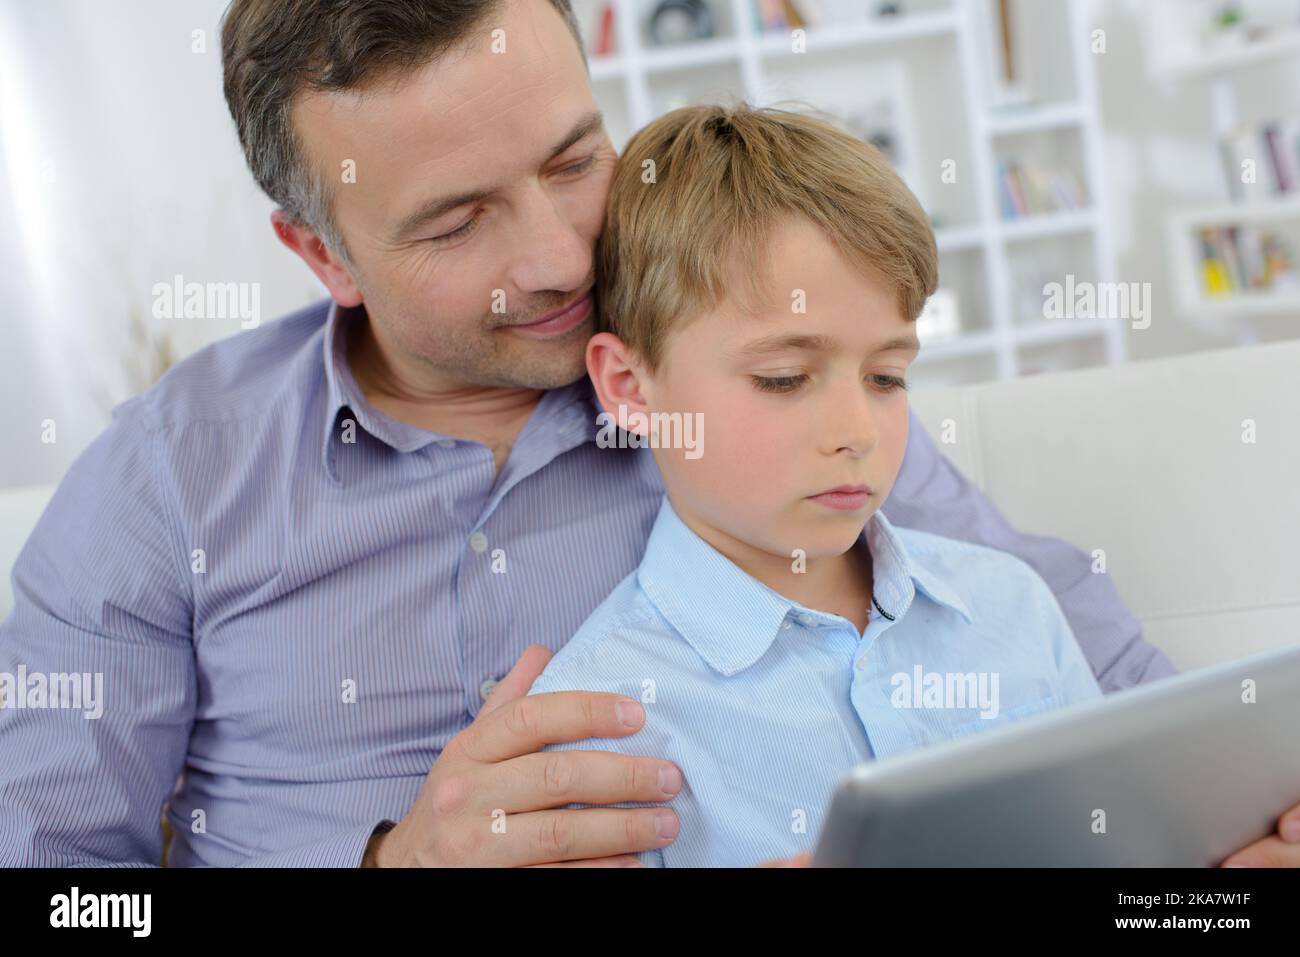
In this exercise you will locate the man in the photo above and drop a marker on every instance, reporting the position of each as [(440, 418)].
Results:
[(307, 557)]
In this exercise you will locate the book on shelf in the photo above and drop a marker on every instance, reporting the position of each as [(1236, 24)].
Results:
[(1263, 160), (1242, 258), (771, 16), (1026, 189), (604, 45)]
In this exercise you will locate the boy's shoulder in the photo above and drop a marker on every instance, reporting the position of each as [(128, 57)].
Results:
[(976, 572), (611, 648)]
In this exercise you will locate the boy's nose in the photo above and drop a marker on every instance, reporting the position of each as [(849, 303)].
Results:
[(850, 420)]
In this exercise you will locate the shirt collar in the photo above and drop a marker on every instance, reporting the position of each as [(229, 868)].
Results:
[(576, 424), (731, 619)]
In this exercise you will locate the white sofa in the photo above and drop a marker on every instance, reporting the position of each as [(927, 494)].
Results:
[(1147, 462), (1200, 529)]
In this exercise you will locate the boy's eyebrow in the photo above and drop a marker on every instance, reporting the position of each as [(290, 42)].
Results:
[(587, 124), (819, 343)]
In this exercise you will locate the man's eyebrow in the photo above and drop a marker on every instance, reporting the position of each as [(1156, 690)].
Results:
[(818, 343), (587, 124)]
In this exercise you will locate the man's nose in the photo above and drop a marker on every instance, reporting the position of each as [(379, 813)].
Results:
[(549, 250)]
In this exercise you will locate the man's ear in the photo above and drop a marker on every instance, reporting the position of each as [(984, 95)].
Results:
[(618, 378), (327, 267)]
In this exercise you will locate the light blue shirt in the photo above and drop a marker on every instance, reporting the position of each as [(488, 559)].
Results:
[(765, 704)]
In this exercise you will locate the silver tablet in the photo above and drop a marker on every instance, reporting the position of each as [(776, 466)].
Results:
[(1178, 773)]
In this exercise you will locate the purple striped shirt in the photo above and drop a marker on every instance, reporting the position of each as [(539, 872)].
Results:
[(295, 601)]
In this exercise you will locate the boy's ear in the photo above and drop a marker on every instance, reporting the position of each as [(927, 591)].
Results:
[(618, 378)]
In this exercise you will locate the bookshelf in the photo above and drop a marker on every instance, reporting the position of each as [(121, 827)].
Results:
[(1180, 47), (1194, 301), (1214, 244), (938, 58)]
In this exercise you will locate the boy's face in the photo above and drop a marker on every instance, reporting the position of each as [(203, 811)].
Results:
[(785, 423)]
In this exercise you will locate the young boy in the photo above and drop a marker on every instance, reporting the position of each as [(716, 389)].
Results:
[(760, 273)]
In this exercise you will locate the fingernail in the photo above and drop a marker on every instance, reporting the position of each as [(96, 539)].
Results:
[(1291, 831), (666, 824), (633, 863), (1237, 864), (670, 779), (630, 713)]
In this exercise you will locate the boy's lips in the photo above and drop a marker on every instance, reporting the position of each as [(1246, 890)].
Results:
[(844, 498)]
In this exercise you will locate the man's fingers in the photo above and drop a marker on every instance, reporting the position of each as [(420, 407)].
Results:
[(527, 724), (1279, 849), (531, 663), (1270, 851), (572, 835), (1288, 825), (551, 779), (802, 859), (577, 834), (621, 860)]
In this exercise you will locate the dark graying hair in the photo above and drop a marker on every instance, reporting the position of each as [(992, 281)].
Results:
[(271, 50)]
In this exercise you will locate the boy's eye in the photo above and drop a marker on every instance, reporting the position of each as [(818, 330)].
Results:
[(780, 383), (890, 383), (788, 383)]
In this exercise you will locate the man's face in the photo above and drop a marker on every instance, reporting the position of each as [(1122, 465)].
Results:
[(451, 291), (788, 422)]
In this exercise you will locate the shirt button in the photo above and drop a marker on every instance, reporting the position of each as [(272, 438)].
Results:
[(447, 443), (478, 542), (486, 686), (862, 663), (785, 626)]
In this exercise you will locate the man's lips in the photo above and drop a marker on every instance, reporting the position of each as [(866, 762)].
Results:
[(551, 316)]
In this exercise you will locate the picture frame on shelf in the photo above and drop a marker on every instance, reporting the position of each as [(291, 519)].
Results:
[(940, 319), (880, 112), (673, 22)]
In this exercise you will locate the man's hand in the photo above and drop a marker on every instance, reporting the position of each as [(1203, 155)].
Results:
[(802, 859), (494, 798), (1279, 849)]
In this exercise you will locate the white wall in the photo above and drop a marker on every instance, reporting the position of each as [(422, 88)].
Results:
[(119, 168)]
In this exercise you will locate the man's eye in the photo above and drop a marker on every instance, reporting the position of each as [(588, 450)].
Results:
[(470, 226), (779, 383), (458, 232), (582, 166)]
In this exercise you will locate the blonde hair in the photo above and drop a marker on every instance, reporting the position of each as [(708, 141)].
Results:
[(677, 243)]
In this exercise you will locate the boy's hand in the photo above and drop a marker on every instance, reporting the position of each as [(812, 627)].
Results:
[(494, 798), (1279, 849)]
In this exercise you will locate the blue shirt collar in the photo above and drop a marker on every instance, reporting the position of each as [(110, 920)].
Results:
[(576, 423), (731, 619)]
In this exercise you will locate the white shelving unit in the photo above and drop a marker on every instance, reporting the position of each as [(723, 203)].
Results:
[(1196, 304), (943, 48), (1177, 53)]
